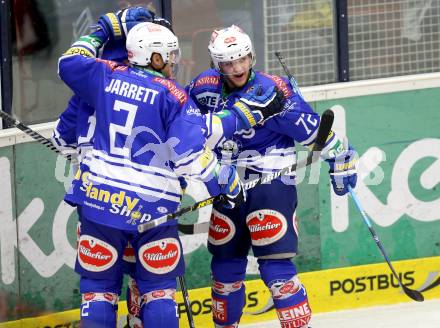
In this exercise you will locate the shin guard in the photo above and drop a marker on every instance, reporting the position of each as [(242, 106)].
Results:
[(228, 292), (288, 294), (99, 310), (159, 308)]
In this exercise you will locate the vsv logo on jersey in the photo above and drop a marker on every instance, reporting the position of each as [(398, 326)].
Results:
[(160, 256), (282, 288), (266, 226), (221, 229), (95, 255)]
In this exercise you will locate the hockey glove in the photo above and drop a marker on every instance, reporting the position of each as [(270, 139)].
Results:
[(252, 108), (233, 193), (116, 26), (163, 22), (343, 171)]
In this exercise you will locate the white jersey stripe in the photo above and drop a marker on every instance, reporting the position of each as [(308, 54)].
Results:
[(129, 174), (144, 168), (139, 190)]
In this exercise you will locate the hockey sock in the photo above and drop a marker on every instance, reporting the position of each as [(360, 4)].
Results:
[(99, 302), (159, 308), (98, 310), (288, 294), (228, 291)]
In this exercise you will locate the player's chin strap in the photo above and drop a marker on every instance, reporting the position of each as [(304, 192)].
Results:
[(323, 132)]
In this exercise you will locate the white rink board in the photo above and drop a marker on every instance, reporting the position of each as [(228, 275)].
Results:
[(412, 314)]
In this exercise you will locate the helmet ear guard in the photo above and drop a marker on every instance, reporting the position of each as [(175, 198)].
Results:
[(147, 38), (229, 44)]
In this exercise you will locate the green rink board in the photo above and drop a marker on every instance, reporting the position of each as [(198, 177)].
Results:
[(403, 125), (9, 270)]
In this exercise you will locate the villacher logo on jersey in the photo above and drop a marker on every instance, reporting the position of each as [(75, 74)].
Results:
[(94, 254), (221, 228), (160, 256), (266, 226)]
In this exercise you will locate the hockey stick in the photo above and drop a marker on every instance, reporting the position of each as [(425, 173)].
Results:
[(32, 133), (286, 69), (432, 285), (414, 294), (41, 139), (323, 132), (186, 301)]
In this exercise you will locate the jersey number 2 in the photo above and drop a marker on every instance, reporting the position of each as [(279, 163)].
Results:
[(122, 129)]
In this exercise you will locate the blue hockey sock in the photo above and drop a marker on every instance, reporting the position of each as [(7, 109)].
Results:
[(288, 294), (159, 308), (228, 291)]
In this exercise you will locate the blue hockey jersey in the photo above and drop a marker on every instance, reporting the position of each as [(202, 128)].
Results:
[(269, 146), (74, 130), (148, 134)]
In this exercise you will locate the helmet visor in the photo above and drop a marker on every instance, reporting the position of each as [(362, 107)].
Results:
[(236, 67), (174, 56)]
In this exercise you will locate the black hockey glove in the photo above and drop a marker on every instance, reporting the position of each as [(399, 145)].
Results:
[(253, 109)]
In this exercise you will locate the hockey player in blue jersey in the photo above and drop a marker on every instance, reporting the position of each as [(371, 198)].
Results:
[(267, 221), (148, 134), (74, 130), (76, 125)]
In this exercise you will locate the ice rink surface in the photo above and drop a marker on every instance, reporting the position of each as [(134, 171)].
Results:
[(411, 315)]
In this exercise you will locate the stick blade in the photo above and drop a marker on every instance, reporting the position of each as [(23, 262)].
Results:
[(432, 285), (414, 294), (187, 229)]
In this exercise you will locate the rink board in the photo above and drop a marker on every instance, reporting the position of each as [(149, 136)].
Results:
[(329, 290)]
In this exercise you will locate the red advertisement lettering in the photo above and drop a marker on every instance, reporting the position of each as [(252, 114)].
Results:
[(280, 84), (295, 316), (177, 93), (219, 307)]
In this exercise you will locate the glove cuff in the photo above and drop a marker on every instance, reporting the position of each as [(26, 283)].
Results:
[(113, 26), (244, 114)]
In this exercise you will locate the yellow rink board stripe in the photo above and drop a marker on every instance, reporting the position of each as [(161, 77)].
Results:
[(328, 290)]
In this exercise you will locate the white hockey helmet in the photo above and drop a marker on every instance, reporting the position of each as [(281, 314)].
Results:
[(229, 44), (147, 38)]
